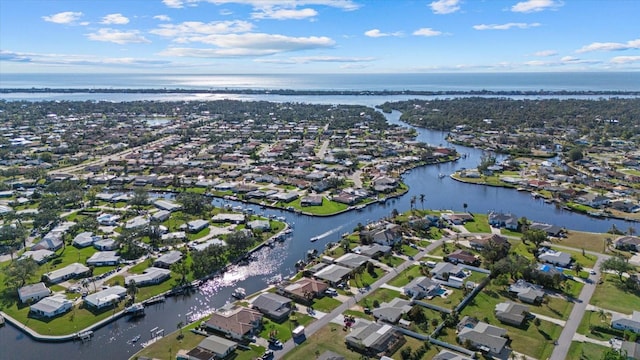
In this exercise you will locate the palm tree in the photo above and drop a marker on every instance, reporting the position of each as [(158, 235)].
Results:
[(602, 315), (608, 242), (465, 206), (412, 202), (631, 231), (578, 268), (422, 201), (132, 290)]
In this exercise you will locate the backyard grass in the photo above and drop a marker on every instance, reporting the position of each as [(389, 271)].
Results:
[(510, 233), (329, 338), (365, 278), (282, 331), (392, 261), (326, 304), (480, 224), (584, 240), (592, 318), (406, 276), (409, 251), (612, 295), (381, 294), (585, 351), (328, 207), (415, 344)]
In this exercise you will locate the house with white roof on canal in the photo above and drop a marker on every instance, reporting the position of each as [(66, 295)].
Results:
[(51, 306), (105, 298), (33, 292)]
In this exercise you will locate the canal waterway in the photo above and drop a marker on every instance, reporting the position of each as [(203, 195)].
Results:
[(270, 264)]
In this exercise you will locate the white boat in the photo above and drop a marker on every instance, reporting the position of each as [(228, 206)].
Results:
[(135, 339), (441, 175), (239, 293), (134, 309), (315, 238)]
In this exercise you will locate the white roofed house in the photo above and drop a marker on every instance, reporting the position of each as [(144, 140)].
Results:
[(166, 260), (263, 225), (84, 239), (166, 205), (104, 258), (33, 292), (105, 298), (106, 244), (51, 306), (422, 287), (554, 257), (150, 276), (70, 271), (39, 256), (197, 225), (374, 338), (625, 322)]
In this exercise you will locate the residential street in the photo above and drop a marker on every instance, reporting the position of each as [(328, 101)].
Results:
[(564, 342), (318, 324)]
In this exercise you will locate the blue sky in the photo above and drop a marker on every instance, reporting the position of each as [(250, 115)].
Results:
[(318, 36)]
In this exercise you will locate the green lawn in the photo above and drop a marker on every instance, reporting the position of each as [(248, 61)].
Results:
[(585, 351), (612, 295), (326, 304), (592, 318), (282, 331), (392, 261), (409, 251), (406, 276), (585, 260), (328, 207), (329, 338), (480, 224), (365, 279), (380, 294)]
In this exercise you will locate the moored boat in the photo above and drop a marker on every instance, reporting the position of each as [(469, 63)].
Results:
[(239, 293)]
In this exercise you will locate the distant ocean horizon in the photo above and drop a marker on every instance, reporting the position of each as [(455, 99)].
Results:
[(552, 81)]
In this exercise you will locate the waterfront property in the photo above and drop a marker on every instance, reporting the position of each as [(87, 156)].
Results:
[(274, 306), (51, 306), (212, 347), (33, 292), (71, 271), (150, 276), (236, 322), (304, 290), (105, 298), (630, 243)]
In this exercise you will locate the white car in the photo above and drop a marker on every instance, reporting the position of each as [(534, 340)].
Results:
[(592, 272)]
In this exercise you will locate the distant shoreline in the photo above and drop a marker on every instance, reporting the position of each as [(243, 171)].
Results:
[(34, 90)]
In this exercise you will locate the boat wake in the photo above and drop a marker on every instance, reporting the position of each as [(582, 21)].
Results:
[(327, 233)]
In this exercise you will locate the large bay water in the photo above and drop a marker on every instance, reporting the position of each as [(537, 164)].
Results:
[(111, 341)]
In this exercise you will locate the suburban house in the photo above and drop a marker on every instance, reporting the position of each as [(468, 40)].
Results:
[(630, 243), (106, 244), (203, 245), (108, 219), (137, 222), (228, 217), (49, 243), (388, 235), (161, 215), (620, 322), (593, 200), (166, 205), (51, 306), (311, 200), (374, 338), (304, 290), (487, 241), (551, 230), (195, 226), (482, 336), (237, 322), (263, 225), (150, 276), (554, 257), (632, 349), (505, 220), (446, 271), (104, 258), (105, 298), (33, 292), (392, 311), (457, 219), (527, 292), (512, 313), (39, 256), (422, 287), (212, 347), (462, 257), (373, 251), (166, 260), (71, 271), (448, 355), (84, 239), (351, 260), (276, 307), (333, 273)]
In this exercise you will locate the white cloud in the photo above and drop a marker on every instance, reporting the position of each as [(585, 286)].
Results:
[(535, 5), (117, 36), (284, 14), (114, 19), (625, 59), (506, 26), (75, 60), (249, 44), (196, 28), (375, 33), (162, 17), (66, 17), (314, 59), (176, 4), (427, 32), (545, 53), (347, 5), (445, 6), (610, 46)]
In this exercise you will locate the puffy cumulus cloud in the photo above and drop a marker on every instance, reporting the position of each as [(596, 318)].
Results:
[(535, 5), (71, 59), (445, 6), (117, 36), (284, 14), (249, 44), (625, 59), (114, 19), (506, 26), (67, 17), (162, 17), (176, 4), (545, 53), (316, 59), (610, 46), (375, 33), (428, 32), (195, 28)]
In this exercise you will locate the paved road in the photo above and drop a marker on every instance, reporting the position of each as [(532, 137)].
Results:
[(564, 342), (318, 324)]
